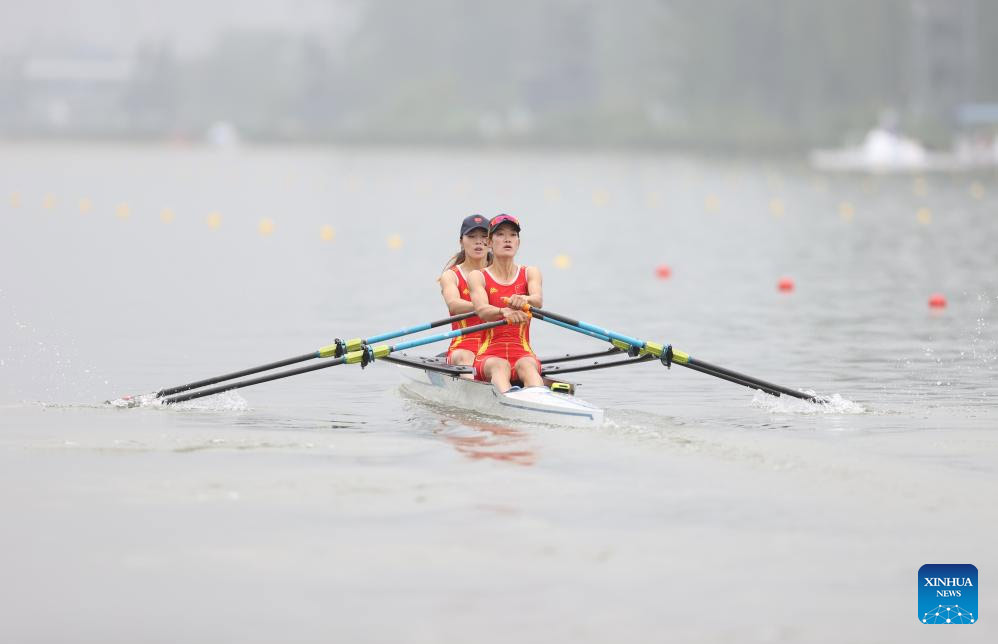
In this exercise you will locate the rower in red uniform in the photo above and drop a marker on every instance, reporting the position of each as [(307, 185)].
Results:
[(505, 351), (474, 255)]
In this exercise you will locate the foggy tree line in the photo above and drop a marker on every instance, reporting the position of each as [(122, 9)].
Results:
[(759, 74)]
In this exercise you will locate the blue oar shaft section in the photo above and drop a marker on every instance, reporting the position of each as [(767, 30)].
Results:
[(417, 328), (440, 337), (577, 325), (594, 334)]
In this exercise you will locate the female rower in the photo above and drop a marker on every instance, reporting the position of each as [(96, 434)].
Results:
[(474, 255), (501, 291)]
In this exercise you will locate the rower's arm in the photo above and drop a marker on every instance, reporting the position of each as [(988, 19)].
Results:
[(452, 296), (535, 287), (480, 299)]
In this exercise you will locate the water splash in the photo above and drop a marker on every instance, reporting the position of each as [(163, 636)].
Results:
[(225, 401), (834, 404)]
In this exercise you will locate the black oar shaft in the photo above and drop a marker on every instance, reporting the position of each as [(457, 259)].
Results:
[(253, 381), (568, 357), (236, 374), (169, 391), (751, 383), (755, 383), (592, 366)]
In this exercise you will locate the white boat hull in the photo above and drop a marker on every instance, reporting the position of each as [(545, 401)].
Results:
[(533, 404)]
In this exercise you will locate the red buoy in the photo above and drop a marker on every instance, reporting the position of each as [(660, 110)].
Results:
[(663, 271), (786, 285), (937, 301)]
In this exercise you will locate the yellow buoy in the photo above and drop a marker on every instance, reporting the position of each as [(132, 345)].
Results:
[(326, 233), (601, 198), (166, 215), (924, 216), (123, 211), (846, 211), (214, 220), (977, 190), (776, 207), (394, 242), (85, 206), (48, 202), (562, 261), (552, 194), (654, 199), (15, 200), (711, 203), (266, 226)]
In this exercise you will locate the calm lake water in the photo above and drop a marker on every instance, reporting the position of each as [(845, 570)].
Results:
[(333, 507)]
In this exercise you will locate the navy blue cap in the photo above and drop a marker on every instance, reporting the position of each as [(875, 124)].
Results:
[(473, 222)]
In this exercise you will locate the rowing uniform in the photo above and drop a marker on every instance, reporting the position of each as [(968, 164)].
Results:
[(510, 342), (472, 341)]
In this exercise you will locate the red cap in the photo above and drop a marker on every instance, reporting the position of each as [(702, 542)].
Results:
[(503, 219)]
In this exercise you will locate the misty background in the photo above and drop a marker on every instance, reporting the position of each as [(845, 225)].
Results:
[(766, 75)]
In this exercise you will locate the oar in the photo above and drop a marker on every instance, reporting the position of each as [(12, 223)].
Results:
[(668, 355), (634, 351), (363, 356), (335, 350)]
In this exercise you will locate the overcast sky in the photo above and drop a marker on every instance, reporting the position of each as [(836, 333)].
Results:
[(51, 27)]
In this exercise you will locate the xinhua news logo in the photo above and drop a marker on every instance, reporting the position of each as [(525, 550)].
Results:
[(947, 594)]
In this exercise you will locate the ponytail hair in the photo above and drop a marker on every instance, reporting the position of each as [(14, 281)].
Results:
[(456, 258)]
